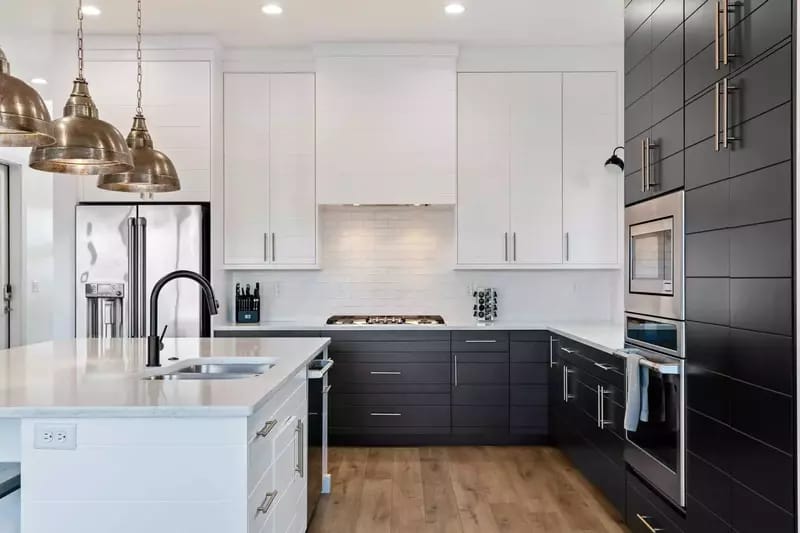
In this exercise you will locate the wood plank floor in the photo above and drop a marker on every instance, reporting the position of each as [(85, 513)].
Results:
[(471, 489)]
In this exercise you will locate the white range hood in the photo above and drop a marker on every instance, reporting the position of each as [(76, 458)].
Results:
[(386, 124)]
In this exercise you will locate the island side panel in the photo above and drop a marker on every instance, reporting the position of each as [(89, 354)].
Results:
[(131, 475)]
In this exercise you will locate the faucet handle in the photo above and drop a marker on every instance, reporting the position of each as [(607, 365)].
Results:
[(161, 338)]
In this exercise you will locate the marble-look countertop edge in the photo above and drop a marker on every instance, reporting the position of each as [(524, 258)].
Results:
[(247, 407)]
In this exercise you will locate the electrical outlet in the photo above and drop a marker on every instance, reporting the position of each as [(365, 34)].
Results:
[(55, 436)]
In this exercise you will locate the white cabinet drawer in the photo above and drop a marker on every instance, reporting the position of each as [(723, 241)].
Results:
[(270, 421), (262, 502)]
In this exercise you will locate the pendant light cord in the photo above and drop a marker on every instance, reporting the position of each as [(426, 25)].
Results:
[(139, 110), (80, 39)]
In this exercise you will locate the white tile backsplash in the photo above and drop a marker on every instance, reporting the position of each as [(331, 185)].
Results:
[(400, 260)]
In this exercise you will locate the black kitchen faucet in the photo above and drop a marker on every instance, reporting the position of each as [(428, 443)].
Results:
[(154, 344)]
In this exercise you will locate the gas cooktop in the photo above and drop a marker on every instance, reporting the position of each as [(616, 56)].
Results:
[(383, 320)]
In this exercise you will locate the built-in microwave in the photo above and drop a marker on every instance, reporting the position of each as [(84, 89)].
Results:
[(654, 257)]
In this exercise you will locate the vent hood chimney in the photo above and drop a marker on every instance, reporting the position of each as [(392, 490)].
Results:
[(386, 124)]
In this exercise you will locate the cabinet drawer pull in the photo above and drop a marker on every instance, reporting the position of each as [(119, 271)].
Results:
[(386, 414), (301, 440), (644, 520), (601, 407), (601, 366), (480, 341), (567, 350), (385, 373), (268, 427), (552, 363), (269, 499)]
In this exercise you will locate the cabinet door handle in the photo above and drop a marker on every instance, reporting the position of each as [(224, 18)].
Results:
[(505, 246), (300, 468), (567, 395), (514, 242), (269, 499), (716, 117), (266, 247), (726, 90), (644, 163), (268, 427), (649, 147), (455, 370), (273, 247), (566, 246), (601, 407), (386, 414), (552, 363), (644, 520), (480, 341), (385, 373), (716, 34), (601, 366)]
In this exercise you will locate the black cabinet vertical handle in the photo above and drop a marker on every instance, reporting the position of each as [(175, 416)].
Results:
[(552, 341), (455, 370)]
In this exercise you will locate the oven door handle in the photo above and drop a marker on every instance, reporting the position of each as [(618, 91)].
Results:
[(665, 369)]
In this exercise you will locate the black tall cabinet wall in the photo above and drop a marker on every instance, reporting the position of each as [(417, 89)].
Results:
[(739, 247)]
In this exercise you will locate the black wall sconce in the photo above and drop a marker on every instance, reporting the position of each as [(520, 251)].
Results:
[(615, 159)]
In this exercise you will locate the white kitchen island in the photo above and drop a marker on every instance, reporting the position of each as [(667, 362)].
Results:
[(199, 455)]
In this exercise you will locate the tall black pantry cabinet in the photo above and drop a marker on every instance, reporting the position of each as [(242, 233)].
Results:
[(738, 172)]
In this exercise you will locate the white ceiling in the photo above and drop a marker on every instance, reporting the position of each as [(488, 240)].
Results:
[(240, 23)]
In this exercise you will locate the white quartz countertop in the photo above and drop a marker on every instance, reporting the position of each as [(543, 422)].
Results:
[(605, 336), (93, 378)]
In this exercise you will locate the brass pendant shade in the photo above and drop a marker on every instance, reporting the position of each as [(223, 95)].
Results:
[(24, 119), (84, 143), (152, 170)]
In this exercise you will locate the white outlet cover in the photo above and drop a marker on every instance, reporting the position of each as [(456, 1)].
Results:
[(55, 436)]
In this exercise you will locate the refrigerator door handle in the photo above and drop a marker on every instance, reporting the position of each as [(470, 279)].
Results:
[(133, 300), (141, 276)]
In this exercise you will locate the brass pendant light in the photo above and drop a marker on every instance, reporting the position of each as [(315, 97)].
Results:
[(84, 143), (24, 119), (152, 170)]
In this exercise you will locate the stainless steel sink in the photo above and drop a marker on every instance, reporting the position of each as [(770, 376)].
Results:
[(214, 370)]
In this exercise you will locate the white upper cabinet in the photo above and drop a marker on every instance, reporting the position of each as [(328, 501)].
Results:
[(483, 169), (269, 182), (177, 106), (247, 159), (386, 130), (535, 168), (532, 190), (292, 183), (591, 194)]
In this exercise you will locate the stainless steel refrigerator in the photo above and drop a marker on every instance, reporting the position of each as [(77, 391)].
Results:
[(136, 245)]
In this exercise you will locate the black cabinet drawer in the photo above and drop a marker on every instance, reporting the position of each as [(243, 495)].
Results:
[(390, 373), (466, 373), (390, 336), (530, 336), (390, 388), (759, 88), (756, 26), (386, 346), (480, 341), (528, 373), (391, 357), (534, 394), (338, 400), (665, 175), (488, 416), (480, 395), (647, 511), (765, 140), (528, 416), (530, 352), (390, 416), (607, 475), (604, 366)]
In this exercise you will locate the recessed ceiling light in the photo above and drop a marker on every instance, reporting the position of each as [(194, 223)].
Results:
[(90, 11), (454, 9), (272, 9), (39, 81)]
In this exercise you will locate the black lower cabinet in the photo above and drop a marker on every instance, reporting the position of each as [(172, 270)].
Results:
[(648, 512), (589, 428)]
